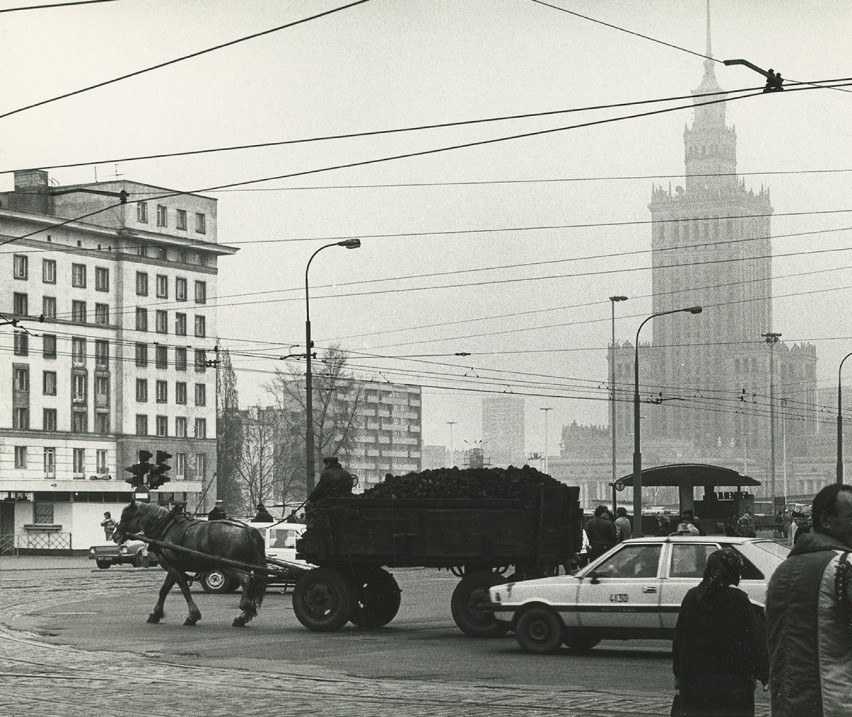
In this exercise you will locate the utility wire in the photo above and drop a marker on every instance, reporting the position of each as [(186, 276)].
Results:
[(180, 59), (55, 5)]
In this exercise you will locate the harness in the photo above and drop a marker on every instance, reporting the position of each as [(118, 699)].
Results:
[(158, 530)]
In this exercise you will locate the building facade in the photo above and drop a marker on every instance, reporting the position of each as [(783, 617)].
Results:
[(503, 434), (108, 331)]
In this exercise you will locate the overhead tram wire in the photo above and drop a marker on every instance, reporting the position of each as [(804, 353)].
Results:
[(176, 60), (55, 5)]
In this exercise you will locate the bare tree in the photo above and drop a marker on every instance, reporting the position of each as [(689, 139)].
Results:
[(256, 465), (229, 434)]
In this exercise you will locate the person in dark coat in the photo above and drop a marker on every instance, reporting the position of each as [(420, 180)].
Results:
[(218, 512), (601, 532), (263, 515), (334, 482), (664, 526), (719, 647)]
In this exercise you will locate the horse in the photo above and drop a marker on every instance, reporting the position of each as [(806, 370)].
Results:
[(226, 539)]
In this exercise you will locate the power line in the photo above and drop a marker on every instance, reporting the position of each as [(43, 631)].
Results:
[(161, 65), (55, 5)]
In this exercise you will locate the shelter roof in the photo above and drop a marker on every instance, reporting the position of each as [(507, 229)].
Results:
[(689, 474)]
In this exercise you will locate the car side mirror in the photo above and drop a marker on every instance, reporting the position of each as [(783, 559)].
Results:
[(594, 577)]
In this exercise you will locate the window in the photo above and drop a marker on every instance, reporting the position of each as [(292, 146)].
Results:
[(141, 390), (102, 390), (101, 463), (200, 394), (162, 215), (102, 314), (180, 427), (689, 560), (21, 378), (180, 359), (181, 219), (162, 286), (79, 462), (20, 304), (632, 561), (49, 462), (141, 319), (162, 426), (43, 513), (161, 253), (78, 351), (200, 326), (49, 383), (49, 346), (102, 422), (201, 428), (180, 466), (20, 266), (141, 425), (141, 354), (180, 324), (78, 387), (101, 354), (162, 356), (161, 321), (162, 391), (101, 278), (22, 346), (180, 393), (78, 275), (142, 212), (48, 307), (200, 466), (78, 312), (21, 418), (49, 419), (180, 255), (200, 360), (20, 456), (200, 292), (180, 289), (141, 283), (200, 223), (48, 271)]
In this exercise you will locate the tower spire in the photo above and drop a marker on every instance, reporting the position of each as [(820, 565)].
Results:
[(709, 52)]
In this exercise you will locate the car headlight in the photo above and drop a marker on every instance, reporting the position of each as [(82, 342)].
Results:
[(91, 551), (123, 550)]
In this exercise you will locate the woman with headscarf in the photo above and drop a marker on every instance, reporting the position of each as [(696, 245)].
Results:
[(719, 647)]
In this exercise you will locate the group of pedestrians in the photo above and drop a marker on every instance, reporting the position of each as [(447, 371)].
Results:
[(801, 651)]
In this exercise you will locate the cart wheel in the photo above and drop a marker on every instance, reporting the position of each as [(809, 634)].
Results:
[(540, 631), (323, 599), (377, 596), (465, 604)]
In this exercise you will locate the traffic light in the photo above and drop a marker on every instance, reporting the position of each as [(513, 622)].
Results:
[(158, 472), (140, 469)]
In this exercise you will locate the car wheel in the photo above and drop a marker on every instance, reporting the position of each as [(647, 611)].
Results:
[(377, 596), (540, 631), (103, 563), (581, 643), (141, 561), (215, 581), (323, 599), (466, 603)]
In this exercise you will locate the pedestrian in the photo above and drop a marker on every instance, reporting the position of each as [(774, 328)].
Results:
[(731, 528), (664, 526), (779, 525), (218, 512), (109, 525), (719, 648), (690, 517), (601, 532), (746, 525), (263, 515), (803, 527), (623, 529), (809, 611)]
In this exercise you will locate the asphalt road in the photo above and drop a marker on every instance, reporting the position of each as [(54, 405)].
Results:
[(103, 613)]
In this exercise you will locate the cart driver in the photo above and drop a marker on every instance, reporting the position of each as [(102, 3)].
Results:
[(334, 482)]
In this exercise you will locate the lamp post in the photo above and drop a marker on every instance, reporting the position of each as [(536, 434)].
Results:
[(772, 339), (839, 476), (613, 300), (310, 458), (637, 444), (546, 463)]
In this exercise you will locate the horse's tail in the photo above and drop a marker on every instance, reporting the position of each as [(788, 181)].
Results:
[(256, 591)]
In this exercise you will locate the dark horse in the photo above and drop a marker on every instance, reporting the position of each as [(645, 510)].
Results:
[(219, 538)]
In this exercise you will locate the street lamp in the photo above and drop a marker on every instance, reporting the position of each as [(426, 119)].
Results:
[(613, 300), (840, 423), (546, 463), (772, 339), (637, 445), (310, 459)]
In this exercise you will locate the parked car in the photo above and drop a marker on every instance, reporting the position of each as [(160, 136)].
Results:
[(633, 591), (280, 540), (133, 552)]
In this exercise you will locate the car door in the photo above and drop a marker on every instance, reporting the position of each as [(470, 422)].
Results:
[(625, 589), (684, 569)]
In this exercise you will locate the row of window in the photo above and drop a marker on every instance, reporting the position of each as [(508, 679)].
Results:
[(161, 322), (162, 288), (79, 468), (163, 217), (79, 420), (162, 392), (161, 426)]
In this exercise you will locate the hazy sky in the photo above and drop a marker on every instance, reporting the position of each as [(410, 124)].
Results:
[(407, 63)]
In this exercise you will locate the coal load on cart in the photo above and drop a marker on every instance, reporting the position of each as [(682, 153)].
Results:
[(486, 525)]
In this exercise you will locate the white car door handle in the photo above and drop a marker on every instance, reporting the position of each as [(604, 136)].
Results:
[(649, 589)]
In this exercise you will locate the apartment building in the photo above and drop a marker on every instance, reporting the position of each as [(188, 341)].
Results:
[(106, 348)]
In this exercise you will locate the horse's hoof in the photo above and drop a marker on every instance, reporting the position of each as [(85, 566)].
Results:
[(189, 622), (153, 619), (239, 622)]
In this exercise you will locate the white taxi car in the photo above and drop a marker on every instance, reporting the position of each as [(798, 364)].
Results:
[(633, 591)]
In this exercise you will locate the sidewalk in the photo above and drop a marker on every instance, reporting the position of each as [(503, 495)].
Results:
[(44, 562)]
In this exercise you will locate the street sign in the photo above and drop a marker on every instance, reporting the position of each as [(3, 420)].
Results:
[(142, 494)]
